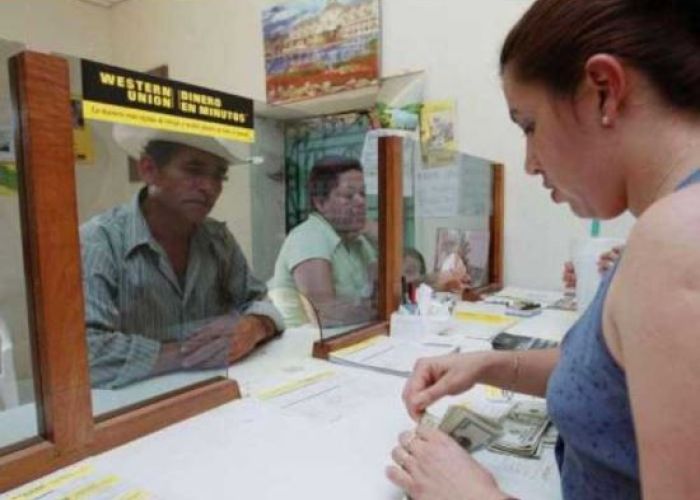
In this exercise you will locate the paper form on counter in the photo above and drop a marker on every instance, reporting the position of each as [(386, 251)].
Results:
[(84, 482)]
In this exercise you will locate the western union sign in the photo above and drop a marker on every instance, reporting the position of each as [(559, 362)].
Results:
[(118, 95)]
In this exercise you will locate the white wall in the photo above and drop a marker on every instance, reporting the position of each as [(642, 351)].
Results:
[(218, 43), (64, 26), (457, 42), (213, 43)]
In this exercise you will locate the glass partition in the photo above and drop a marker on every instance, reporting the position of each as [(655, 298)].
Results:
[(448, 212), (326, 271), (174, 278), (181, 238), (197, 249), (190, 243), (191, 263), (18, 414)]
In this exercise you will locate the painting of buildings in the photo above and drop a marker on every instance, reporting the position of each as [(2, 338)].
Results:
[(320, 47)]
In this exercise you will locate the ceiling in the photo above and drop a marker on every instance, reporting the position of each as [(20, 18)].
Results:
[(103, 3)]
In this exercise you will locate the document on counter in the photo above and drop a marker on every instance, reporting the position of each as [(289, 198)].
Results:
[(460, 343), (479, 321), (387, 354), (552, 324), (512, 293), (324, 397), (84, 482), (524, 478)]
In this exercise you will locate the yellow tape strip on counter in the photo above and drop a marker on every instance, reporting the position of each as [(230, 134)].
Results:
[(294, 385)]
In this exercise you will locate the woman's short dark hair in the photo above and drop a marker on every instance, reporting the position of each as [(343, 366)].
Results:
[(413, 252), (661, 38), (323, 177)]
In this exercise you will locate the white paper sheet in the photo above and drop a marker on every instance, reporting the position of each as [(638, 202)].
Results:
[(463, 188), (370, 158), (387, 354), (527, 479), (479, 321), (324, 397), (84, 481)]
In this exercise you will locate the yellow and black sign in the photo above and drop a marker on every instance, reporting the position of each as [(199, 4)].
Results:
[(118, 95)]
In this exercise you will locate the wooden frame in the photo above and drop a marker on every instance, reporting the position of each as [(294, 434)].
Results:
[(48, 206), (496, 231), (323, 348), (496, 226), (390, 224)]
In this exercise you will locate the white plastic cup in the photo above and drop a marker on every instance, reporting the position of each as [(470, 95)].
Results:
[(415, 327), (585, 253)]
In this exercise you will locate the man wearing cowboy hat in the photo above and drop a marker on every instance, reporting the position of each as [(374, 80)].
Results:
[(166, 287)]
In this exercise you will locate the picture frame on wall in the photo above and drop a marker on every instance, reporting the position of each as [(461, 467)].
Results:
[(460, 251), (315, 48)]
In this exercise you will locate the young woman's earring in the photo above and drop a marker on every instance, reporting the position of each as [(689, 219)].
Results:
[(605, 121)]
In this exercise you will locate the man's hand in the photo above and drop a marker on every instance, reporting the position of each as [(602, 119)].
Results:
[(208, 346), (225, 340), (249, 332)]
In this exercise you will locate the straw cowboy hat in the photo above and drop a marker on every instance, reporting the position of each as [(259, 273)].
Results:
[(133, 140)]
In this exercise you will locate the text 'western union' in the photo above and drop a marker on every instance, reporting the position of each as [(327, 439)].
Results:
[(207, 106), (140, 91)]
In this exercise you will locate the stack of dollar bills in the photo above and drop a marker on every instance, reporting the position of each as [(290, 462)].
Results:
[(519, 432), (523, 428)]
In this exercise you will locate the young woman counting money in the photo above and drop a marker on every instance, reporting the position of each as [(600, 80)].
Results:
[(607, 94)]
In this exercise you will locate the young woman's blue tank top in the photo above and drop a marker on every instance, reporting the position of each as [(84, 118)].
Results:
[(588, 400)]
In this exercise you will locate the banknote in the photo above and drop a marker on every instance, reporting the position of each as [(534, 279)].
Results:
[(523, 428), (471, 430)]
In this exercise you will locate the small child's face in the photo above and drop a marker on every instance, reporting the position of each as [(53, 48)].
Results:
[(411, 269)]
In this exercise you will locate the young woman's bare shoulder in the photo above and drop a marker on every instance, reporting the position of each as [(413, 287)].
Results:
[(670, 222), (662, 258)]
